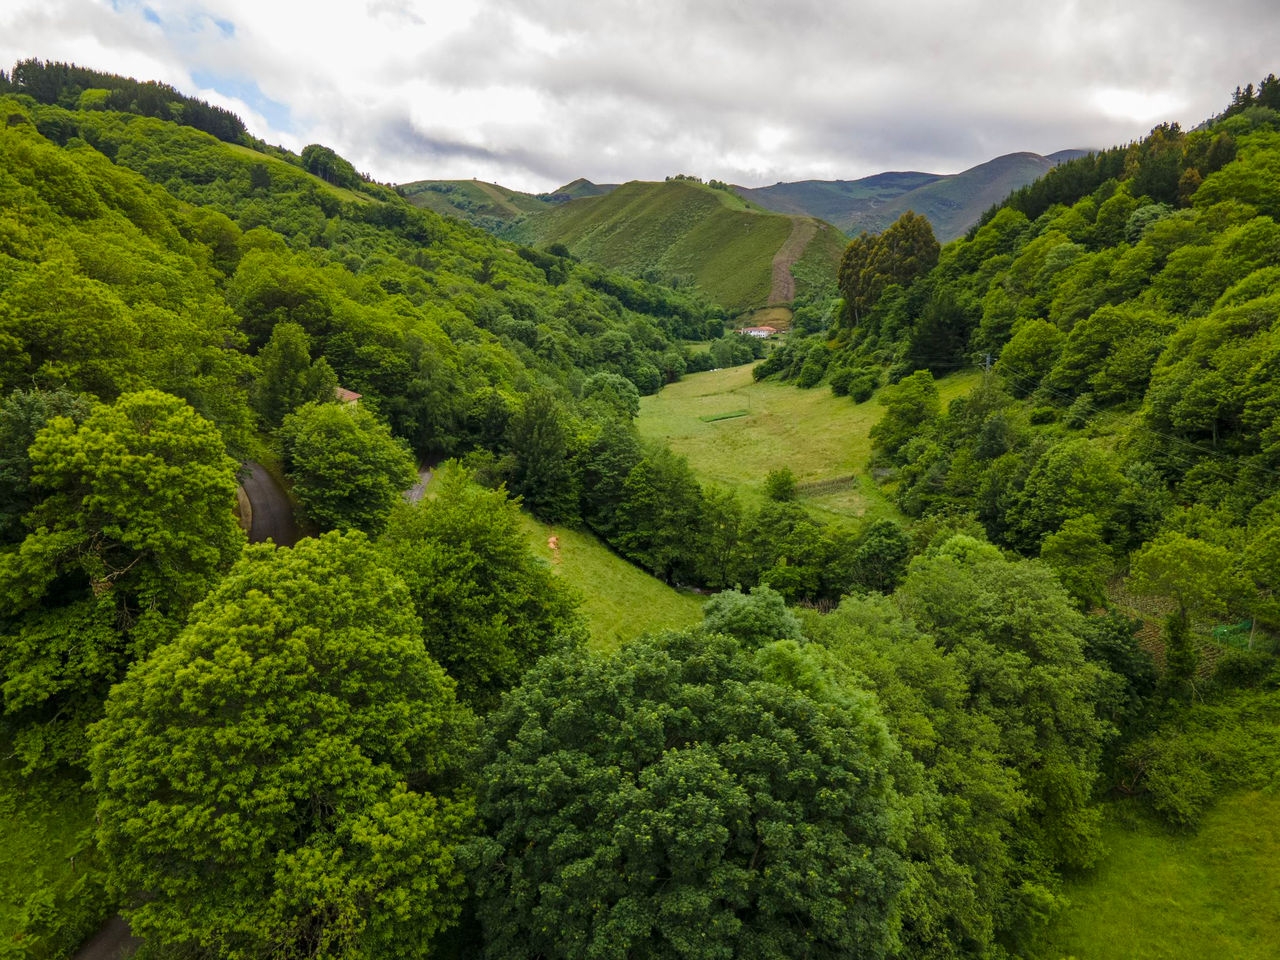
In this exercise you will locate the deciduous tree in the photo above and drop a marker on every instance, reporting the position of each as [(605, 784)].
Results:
[(282, 779)]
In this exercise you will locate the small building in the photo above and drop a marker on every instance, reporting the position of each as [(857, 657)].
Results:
[(760, 333), (346, 396)]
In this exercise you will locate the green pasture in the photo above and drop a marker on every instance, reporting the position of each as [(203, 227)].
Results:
[(620, 600), (734, 430), (1214, 895)]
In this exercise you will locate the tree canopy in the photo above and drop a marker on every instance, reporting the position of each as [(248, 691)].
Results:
[(674, 801), (284, 778)]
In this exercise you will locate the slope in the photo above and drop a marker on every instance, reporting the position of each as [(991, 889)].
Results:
[(711, 238), (487, 205)]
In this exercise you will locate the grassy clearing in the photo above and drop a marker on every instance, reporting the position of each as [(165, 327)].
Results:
[(620, 600), (818, 436), (1159, 896)]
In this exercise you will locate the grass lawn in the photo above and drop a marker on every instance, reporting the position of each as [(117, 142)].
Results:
[(822, 438), (1161, 896), (620, 601)]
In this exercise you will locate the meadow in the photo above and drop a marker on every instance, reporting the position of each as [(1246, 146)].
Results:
[(1164, 896), (735, 430), (619, 600)]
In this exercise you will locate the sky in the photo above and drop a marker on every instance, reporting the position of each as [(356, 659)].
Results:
[(536, 93)]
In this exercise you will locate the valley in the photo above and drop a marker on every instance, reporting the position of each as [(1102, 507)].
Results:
[(944, 624)]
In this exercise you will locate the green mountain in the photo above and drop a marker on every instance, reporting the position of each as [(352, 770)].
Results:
[(739, 255), (488, 205), (953, 203)]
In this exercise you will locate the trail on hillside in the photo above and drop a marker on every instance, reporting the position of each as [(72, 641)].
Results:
[(784, 284)]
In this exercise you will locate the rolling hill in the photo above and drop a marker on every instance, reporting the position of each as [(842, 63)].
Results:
[(711, 238), (492, 206), (953, 203)]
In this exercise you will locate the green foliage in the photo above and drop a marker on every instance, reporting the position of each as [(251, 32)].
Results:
[(903, 252), (780, 485), (287, 378), (22, 415), (132, 526), (489, 608), (675, 801), (539, 435), (753, 620), (909, 405), (283, 777), (1184, 765), (346, 468), (1079, 555)]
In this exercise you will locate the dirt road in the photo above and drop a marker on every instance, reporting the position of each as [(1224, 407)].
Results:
[(784, 284)]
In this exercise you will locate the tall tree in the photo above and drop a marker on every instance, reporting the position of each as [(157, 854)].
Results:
[(489, 608), (674, 800), (282, 779), (346, 468), (132, 525)]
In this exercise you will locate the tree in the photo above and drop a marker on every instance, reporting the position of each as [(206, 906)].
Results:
[(489, 608), (909, 405), (346, 468), (287, 378), (906, 250), (753, 620), (133, 524), (780, 485), (1079, 554), (538, 435), (612, 394), (282, 779), (659, 520), (880, 557), (673, 800), (1200, 578), (22, 415)]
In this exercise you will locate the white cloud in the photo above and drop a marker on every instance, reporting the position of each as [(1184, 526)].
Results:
[(534, 93)]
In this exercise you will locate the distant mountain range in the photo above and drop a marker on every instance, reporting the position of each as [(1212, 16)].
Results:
[(745, 248), (952, 202)]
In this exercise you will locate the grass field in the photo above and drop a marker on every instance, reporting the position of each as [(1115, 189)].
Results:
[(1159, 896), (620, 601), (823, 439)]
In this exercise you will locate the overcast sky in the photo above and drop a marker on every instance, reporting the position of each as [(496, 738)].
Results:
[(534, 93)]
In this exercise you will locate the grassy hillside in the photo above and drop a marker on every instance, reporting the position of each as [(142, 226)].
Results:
[(487, 205), (734, 430), (620, 600), (1160, 896), (953, 203), (713, 238)]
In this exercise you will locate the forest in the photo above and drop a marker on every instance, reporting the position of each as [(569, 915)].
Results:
[(889, 739)]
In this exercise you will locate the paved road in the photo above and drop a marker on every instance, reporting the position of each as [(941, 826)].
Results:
[(112, 942), (272, 513)]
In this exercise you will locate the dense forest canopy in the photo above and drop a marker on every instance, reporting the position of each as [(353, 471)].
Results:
[(396, 738)]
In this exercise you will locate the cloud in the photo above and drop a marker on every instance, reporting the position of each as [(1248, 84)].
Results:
[(535, 93)]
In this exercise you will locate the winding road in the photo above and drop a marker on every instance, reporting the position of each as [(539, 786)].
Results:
[(271, 511)]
